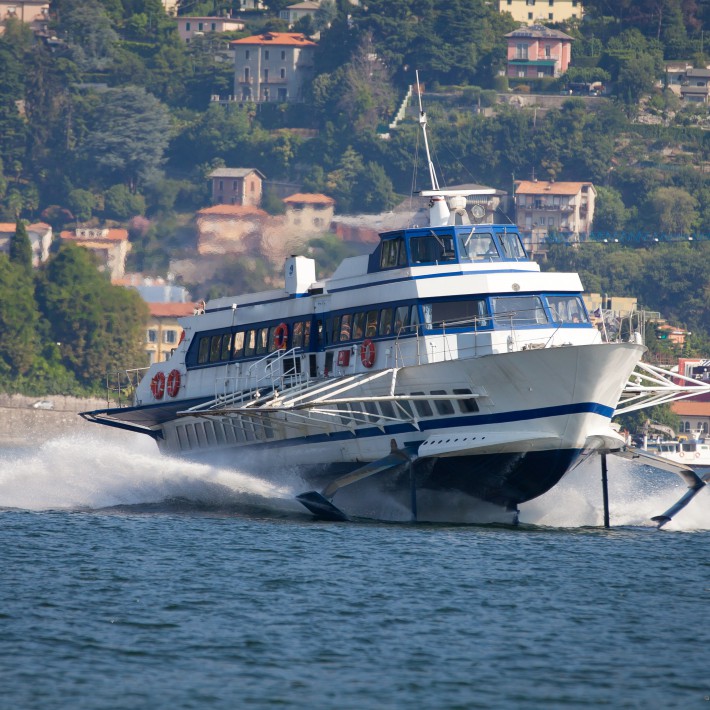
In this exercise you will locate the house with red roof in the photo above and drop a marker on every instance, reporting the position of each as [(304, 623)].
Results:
[(544, 207), (40, 235), (111, 247), (163, 331), (272, 66), (230, 229), (309, 212), (536, 52), (237, 186)]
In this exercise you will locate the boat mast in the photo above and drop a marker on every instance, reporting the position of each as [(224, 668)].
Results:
[(439, 210)]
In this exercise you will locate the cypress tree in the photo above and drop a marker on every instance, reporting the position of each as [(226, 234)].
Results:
[(20, 247)]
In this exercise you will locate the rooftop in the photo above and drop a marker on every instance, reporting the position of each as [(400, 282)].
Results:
[(309, 198), (233, 211), (539, 32), (96, 234), (235, 173), (543, 187), (171, 310), (280, 39)]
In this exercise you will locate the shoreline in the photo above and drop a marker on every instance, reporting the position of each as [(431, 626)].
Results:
[(23, 423)]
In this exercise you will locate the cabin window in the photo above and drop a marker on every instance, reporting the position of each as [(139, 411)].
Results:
[(262, 341), (371, 324), (443, 406), (476, 247), (567, 309), (182, 438), (203, 355), (466, 405), (387, 409), (272, 336), (393, 253), (216, 348), (386, 321), (345, 327), (372, 411), (422, 406), (307, 334), (401, 319), (358, 326), (226, 346), (238, 345), (456, 314), (250, 343), (518, 311), (434, 248), (335, 332), (512, 248), (297, 335), (405, 406)]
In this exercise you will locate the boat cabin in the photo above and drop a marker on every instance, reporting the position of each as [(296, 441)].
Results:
[(446, 245)]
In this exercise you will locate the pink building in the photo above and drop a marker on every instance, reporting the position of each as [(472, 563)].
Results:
[(536, 52)]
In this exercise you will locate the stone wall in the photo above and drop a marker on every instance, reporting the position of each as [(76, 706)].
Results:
[(23, 423)]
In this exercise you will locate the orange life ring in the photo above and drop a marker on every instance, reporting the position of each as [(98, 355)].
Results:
[(174, 383), (157, 385), (367, 352), (281, 336)]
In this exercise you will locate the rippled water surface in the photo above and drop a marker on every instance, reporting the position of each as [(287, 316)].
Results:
[(132, 581)]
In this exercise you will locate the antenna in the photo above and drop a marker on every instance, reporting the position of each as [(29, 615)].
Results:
[(422, 123)]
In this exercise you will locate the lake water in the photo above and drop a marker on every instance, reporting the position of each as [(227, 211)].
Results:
[(133, 581)]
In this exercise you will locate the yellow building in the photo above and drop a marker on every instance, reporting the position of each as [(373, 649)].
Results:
[(163, 332), (533, 11)]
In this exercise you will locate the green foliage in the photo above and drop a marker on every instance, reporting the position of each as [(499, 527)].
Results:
[(18, 318), (99, 327), (121, 203), (272, 203), (82, 203), (609, 211), (21, 248)]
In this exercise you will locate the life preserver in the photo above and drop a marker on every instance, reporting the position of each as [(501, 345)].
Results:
[(281, 336), (367, 353), (697, 454), (681, 453), (174, 383), (157, 385)]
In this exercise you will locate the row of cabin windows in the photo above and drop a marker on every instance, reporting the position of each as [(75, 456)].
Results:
[(396, 320), (370, 324), (440, 248), (237, 431), (215, 433), (249, 343)]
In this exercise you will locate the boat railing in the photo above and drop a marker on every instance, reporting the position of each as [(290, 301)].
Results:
[(278, 370), (121, 385)]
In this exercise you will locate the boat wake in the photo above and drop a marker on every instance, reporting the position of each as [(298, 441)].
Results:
[(636, 494), (94, 472)]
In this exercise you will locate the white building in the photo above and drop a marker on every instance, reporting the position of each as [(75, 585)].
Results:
[(272, 66), (534, 11)]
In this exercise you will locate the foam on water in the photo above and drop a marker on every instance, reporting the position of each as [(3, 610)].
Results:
[(93, 472), (636, 494), (98, 471)]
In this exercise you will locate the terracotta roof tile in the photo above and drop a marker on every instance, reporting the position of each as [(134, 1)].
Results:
[(310, 198), (277, 39), (542, 187), (691, 409), (171, 310), (113, 235), (233, 210)]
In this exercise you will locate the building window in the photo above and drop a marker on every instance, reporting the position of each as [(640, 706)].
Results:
[(246, 73), (283, 73), (521, 51), (187, 27), (266, 74), (214, 24), (152, 335), (550, 16), (200, 26), (530, 16), (552, 2), (246, 54), (169, 336), (283, 54), (234, 184), (266, 54), (221, 185)]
